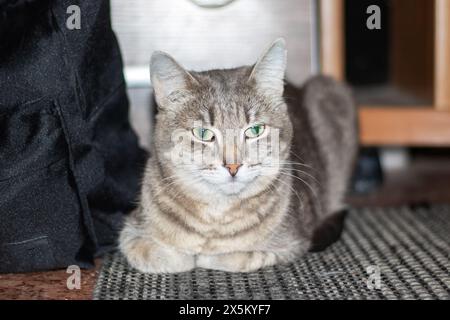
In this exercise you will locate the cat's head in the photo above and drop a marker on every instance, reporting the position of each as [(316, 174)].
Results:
[(222, 131)]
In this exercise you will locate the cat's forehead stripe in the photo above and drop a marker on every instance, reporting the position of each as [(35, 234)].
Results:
[(247, 115), (233, 115), (205, 117), (211, 116)]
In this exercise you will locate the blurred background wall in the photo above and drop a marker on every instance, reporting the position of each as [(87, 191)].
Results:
[(203, 38)]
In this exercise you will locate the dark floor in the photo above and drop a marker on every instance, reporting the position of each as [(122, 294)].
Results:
[(426, 180), (51, 285)]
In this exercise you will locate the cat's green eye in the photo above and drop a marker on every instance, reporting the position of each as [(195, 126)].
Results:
[(255, 131), (203, 134)]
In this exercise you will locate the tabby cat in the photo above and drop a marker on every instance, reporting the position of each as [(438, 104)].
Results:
[(245, 172)]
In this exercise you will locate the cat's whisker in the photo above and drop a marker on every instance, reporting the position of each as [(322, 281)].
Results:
[(181, 181), (302, 172), (290, 187), (288, 166), (287, 162), (169, 177), (299, 167), (300, 179), (164, 188), (295, 155), (180, 192)]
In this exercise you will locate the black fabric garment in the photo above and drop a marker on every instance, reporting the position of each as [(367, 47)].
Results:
[(69, 161)]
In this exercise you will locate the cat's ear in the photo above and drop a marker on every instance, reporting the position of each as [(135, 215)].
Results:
[(269, 71), (169, 80)]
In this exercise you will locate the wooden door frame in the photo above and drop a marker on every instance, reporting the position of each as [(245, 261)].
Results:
[(394, 125)]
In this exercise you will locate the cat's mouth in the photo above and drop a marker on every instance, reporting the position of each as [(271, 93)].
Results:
[(233, 187), (219, 180), (229, 185), (236, 185)]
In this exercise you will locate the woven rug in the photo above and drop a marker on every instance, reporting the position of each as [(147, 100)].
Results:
[(393, 253)]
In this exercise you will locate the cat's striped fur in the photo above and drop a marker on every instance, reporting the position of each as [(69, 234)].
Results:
[(186, 220)]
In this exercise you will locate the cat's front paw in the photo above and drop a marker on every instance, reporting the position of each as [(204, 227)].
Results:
[(237, 261), (149, 257)]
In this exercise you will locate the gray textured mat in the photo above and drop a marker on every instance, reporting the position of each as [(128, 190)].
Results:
[(409, 247)]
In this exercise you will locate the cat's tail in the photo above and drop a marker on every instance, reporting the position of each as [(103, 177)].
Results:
[(332, 114)]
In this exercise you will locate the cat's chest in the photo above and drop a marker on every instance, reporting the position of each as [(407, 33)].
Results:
[(237, 229), (224, 220), (218, 227), (247, 233)]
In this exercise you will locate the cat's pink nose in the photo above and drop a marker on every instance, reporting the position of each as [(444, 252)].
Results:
[(233, 168)]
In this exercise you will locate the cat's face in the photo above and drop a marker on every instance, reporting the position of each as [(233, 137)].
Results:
[(222, 131)]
